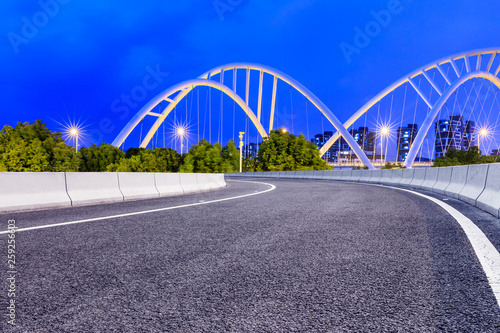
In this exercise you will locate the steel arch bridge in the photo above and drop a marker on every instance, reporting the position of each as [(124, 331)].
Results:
[(175, 94)]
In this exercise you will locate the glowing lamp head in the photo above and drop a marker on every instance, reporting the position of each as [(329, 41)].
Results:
[(384, 130), (180, 131), (284, 130), (73, 132), (483, 132)]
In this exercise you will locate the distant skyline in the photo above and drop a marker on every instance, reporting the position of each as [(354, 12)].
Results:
[(67, 60)]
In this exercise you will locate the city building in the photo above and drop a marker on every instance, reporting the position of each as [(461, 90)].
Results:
[(340, 150), (405, 137), (453, 133), (250, 149)]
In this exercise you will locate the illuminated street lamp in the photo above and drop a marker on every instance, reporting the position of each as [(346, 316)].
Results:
[(241, 150), (482, 134), (284, 130), (384, 131), (180, 133), (75, 133)]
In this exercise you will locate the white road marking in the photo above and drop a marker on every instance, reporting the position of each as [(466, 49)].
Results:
[(272, 187), (488, 255)]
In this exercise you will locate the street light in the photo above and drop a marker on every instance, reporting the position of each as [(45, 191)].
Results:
[(241, 150), (180, 133), (74, 133), (284, 130), (482, 134), (384, 131)]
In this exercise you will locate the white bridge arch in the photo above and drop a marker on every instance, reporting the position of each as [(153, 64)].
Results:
[(182, 89), (435, 107)]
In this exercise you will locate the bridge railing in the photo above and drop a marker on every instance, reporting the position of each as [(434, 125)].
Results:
[(478, 185)]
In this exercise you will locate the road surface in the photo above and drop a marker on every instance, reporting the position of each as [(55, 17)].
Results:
[(303, 256)]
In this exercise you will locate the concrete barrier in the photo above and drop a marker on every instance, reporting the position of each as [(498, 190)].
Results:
[(206, 181), (489, 200), (457, 181), (365, 176), (443, 180), (218, 179), (418, 177), (168, 184), (32, 190), (355, 176), (137, 185), (474, 186), (407, 177), (288, 174), (317, 174), (396, 176), (345, 175), (431, 177), (189, 183), (308, 174), (335, 175), (386, 176), (93, 187), (375, 176), (299, 174)]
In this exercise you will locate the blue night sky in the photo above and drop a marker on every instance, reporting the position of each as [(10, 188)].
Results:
[(83, 57)]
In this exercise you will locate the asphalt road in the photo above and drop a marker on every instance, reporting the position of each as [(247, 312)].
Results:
[(308, 256)]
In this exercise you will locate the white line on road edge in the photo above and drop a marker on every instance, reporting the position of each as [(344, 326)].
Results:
[(272, 187), (485, 251)]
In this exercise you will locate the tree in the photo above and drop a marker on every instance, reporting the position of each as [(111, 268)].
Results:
[(464, 157), (205, 158), (97, 159), (33, 147), (147, 160), (286, 152)]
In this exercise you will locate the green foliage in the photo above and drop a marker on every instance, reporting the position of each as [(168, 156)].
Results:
[(147, 160), (205, 158), (33, 147), (287, 152), (97, 159), (464, 157), (389, 165)]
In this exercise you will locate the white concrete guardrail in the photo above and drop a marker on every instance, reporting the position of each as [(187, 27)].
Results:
[(21, 191), (477, 184)]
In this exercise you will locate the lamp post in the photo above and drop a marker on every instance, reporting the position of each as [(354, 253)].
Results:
[(482, 133), (74, 133), (180, 133), (383, 131), (241, 151)]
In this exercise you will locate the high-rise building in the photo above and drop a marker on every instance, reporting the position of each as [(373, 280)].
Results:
[(250, 150), (469, 133), (405, 136), (453, 133), (341, 150)]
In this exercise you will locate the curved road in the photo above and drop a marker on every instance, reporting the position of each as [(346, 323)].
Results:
[(306, 256)]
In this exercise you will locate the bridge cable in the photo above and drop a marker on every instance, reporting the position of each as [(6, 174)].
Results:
[(401, 125), (307, 119), (221, 107), (198, 112), (291, 106), (210, 114)]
